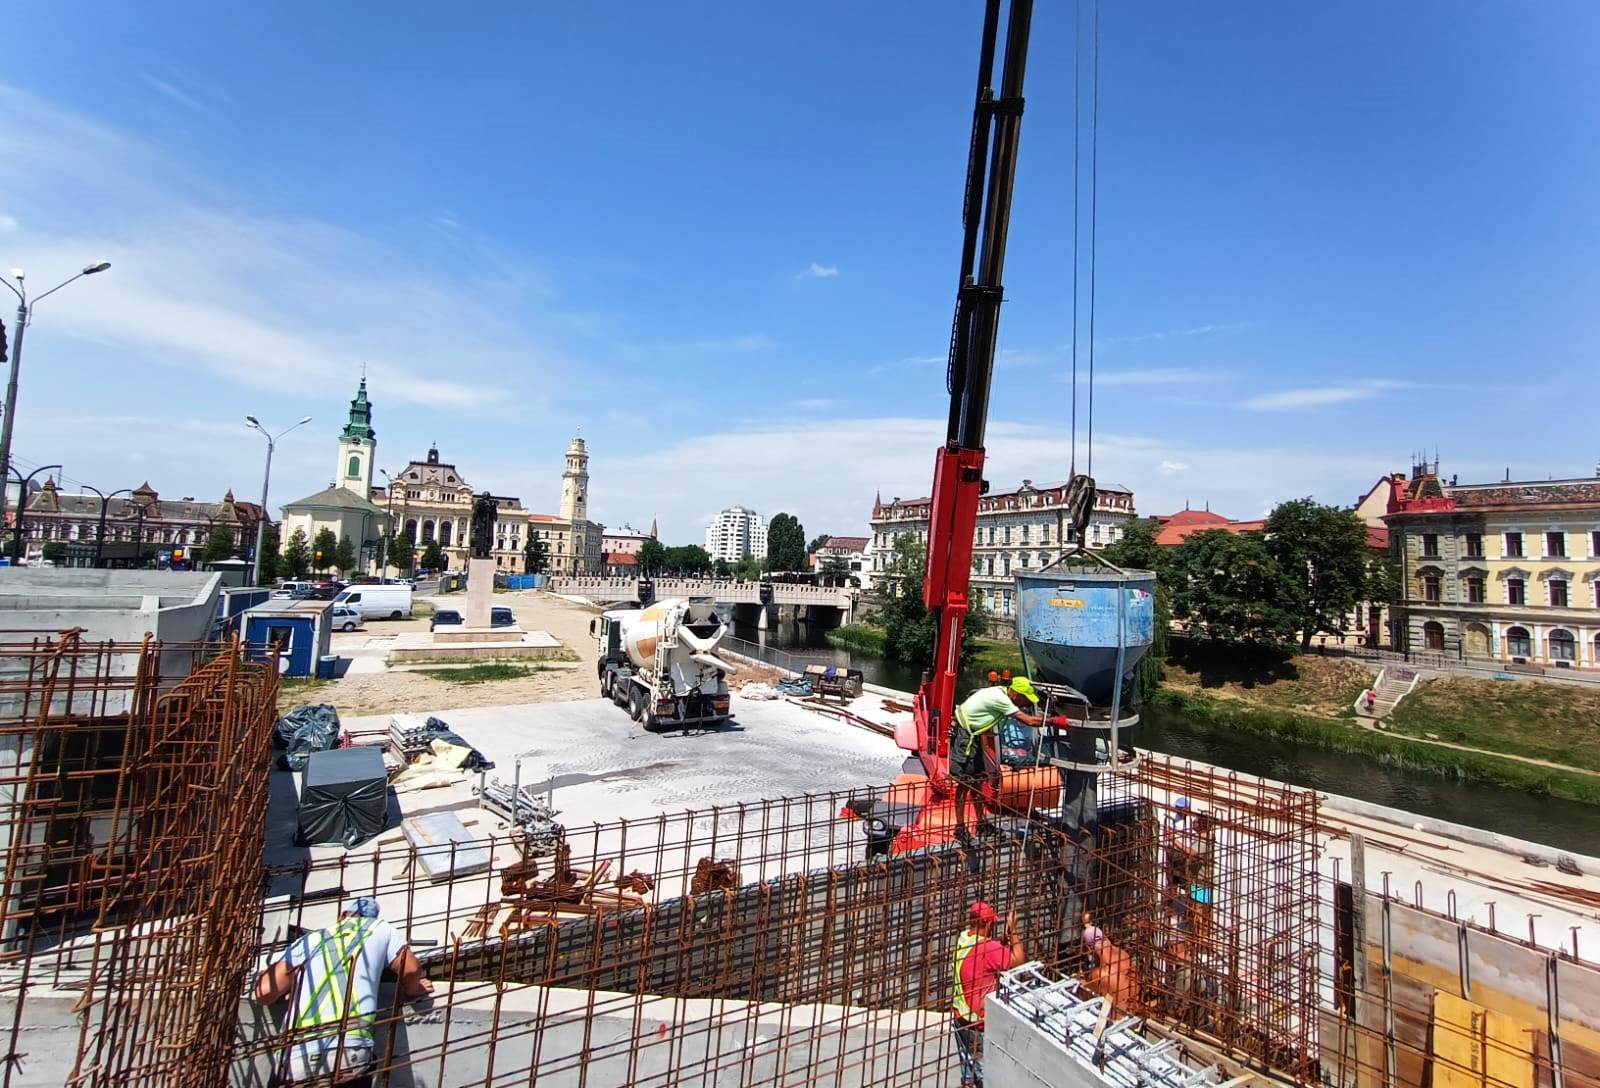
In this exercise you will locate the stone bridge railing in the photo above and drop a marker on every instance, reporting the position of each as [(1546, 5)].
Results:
[(726, 591)]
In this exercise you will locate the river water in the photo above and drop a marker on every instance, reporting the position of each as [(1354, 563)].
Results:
[(1567, 825)]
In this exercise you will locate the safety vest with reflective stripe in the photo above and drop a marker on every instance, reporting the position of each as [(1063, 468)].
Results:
[(958, 1000), (326, 1008)]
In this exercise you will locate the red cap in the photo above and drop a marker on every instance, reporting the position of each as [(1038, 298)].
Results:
[(983, 913)]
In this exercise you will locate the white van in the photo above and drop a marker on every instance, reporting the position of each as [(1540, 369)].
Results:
[(377, 602)]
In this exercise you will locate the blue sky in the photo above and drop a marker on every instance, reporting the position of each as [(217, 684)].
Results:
[(722, 240)]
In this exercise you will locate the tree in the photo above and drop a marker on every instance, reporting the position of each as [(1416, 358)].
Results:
[(296, 555), (688, 559), (432, 556), (268, 559), (219, 544), (54, 551), (1138, 550), (322, 549), (786, 543), (344, 556), (535, 556), (811, 548), (751, 568), (1322, 551), (835, 566), (722, 569), (402, 550), (910, 633), (652, 557), (1229, 588)]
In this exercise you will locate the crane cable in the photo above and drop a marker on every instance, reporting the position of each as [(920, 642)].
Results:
[(1077, 216)]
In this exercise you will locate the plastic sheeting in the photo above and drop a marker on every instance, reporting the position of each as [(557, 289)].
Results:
[(304, 730), (438, 729), (344, 797)]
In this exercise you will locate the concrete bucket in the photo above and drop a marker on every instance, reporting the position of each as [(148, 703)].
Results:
[(1086, 627)]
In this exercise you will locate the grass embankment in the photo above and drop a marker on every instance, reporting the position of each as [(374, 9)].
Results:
[(1323, 686), (1237, 716), (1556, 722), (480, 674), (857, 636)]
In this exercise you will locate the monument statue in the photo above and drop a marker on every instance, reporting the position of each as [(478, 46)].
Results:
[(483, 515)]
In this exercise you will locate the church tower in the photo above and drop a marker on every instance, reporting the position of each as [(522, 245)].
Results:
[(575, 483), (358, 444)]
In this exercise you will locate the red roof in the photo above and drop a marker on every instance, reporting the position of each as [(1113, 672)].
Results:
[(621, 559), (1377, 538), (1176, 528), (846, 543)]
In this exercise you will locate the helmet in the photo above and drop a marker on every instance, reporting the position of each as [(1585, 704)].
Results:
[(983, 914), (1024, 687)]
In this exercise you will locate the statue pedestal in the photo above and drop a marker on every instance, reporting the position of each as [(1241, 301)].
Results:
[(480, 593)]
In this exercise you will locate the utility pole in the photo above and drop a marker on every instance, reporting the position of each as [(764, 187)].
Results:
[(266, 481), (24, 314)]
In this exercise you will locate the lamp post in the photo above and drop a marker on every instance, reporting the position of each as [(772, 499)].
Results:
[(22, 505), (100, 532), (266, 479), (405, 508), (24, 315)]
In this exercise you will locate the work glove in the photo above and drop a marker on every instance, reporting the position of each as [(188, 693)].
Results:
[(1059, 721)]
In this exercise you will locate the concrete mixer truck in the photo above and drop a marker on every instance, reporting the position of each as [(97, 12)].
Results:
[(661, 664)]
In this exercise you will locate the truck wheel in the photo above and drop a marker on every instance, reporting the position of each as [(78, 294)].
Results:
[(605, 685), (395, 614), (636, 705)]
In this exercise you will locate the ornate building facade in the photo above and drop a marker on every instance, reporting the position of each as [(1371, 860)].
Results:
[(573, 543), (343, 507), (138, 526), (431, 500)]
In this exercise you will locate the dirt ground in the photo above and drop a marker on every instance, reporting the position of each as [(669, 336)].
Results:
[(396, 691)]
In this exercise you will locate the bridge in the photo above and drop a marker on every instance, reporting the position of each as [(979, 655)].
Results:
[(724, 591)]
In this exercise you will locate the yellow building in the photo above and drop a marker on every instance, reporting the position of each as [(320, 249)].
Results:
[(1506, 572)]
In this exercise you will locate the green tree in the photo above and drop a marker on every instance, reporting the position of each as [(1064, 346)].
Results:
[(344, 556), (219, 545), (322, 548), (688, 559), (402, 550), (432, 556), (269, 558), (652, 558), (751, 568), (1229, 588), (834, 566), (722, 569), (54, 551), (816, 543), (1322, 551), (1138, 550), (535, 556), (786, 543), (910, 633), (296, 555)]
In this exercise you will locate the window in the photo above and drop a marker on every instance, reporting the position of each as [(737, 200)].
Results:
[(1594, 544), (1563, 647), (991, 534), (1513, 545), (991, 567), (1555, 544), (1044, 533), (1433, 635), (1430, 588), (1024, 532), (1005, 563), (1516, 591), (1430, 545), (1007, 539), (354, 467), (1475, 589), (1518, 644), (1005, 602), (1558, 593), (1474, 545)]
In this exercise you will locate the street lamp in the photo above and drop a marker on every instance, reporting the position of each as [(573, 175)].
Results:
[(100, 533), (405, 509), (22, 504), (261, 526), (24, 316)]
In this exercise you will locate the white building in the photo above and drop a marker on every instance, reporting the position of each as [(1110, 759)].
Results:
[(736, 533), (1023, 529), (573, 543)]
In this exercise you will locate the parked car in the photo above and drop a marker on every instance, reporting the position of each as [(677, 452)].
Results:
[(345, 618), (448, 617), (318, 593), (290, 589), (382, 602), (501, 617)]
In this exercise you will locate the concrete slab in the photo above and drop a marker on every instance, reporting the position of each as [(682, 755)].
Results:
[(457, 633), (413, 647)]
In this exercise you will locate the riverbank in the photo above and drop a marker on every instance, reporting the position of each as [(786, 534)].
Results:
[(989, 654)]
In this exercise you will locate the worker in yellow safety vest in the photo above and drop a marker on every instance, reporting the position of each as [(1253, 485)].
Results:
[(334, 975), (979, 959), (973, 730)]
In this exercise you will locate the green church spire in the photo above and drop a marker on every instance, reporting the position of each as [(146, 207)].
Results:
[(360, 425)]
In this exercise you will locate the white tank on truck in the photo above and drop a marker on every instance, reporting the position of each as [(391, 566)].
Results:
[(660, 662)]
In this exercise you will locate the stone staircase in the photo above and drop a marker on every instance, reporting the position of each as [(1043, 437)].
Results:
[(1393, 684)]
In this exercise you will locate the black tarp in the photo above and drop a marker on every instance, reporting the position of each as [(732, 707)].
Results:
[(344, 797)]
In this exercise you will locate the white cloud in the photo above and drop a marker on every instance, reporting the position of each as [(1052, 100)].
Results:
[(8, 224), (1173, 334), (813, 404), (1171, 468), (181, 97), (817, 271), (1321, 396)]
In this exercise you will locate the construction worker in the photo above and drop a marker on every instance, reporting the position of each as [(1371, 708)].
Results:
[(975, 724), (334, 976), (1112, 973), (979, 959)]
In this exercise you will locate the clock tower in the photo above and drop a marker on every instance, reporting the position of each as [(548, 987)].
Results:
[(358, 444)]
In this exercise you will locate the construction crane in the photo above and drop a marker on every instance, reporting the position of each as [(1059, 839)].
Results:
[(1084, 623)]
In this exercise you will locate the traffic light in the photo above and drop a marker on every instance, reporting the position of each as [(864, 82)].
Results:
[(318, 559), (4, 347)]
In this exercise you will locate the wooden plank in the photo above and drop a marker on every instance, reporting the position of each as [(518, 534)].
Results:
[(1508, 1051), (1456, 1034)]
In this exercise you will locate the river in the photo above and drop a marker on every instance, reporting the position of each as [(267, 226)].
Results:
[(1567, 825)]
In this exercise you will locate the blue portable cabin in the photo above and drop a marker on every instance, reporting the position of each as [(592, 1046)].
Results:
[(233, 603), (300, 630)]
